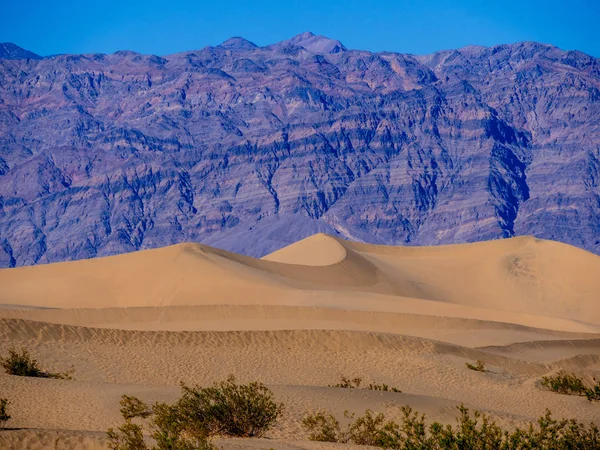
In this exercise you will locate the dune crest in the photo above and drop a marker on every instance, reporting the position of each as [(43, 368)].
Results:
[(523, 276)]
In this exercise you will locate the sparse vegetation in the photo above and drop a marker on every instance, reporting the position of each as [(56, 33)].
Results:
[(382, 387), (4, 416), (23, 365), (129, 436), (479, 366), (348, 383), (475, 431), (232, 409), (133, 407), (324, 427), (226, 409), (355, 383), (593, 393), (571, 384)]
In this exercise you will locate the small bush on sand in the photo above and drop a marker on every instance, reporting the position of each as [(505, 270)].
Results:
[(226, 409), (479, 366), (475, 431), (593, 393), (369, 429), (564, 383), (133, 407), (382, 387), (129, 436), (355, 383), (4, 416), (324, 427), (23, 365), (570, 384), (348, 383)]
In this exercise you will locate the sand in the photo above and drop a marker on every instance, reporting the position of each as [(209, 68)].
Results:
[(297, 320)]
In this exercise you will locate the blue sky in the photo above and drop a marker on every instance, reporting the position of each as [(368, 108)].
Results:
[(420, 27)]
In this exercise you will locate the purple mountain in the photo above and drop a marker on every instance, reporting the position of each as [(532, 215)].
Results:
[(250, 148), (12, 51)]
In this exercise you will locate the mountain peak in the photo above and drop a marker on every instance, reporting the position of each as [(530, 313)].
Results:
[(238, 43), (305, 35), (316, 44), (8, 50)]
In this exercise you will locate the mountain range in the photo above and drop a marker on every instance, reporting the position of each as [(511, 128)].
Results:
[(250, 148)]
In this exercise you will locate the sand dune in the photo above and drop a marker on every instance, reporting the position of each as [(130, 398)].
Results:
[(297, 319)]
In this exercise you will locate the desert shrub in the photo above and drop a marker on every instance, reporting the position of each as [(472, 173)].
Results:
[(475, 431), (348, 383), (570, 384), (355, 383), (593, 393), (479, 366), (564, 383), (133, 407), (22, 364), (171, 430), (4, 416), (374, 430), (228, 408), (323, 427), (128, 436), (168, 429), (382, 387)]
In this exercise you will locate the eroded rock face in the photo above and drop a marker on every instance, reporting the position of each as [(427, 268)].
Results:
[(250, 148)]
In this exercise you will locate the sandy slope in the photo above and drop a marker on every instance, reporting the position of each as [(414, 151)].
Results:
[(297, 319)]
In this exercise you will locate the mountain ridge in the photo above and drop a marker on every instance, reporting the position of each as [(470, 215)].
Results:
[(255, 148), (307, 35)]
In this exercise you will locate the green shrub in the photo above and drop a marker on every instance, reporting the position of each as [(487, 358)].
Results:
[(4, 416), (570, 384), (374, 430), (382, 387), (348, 383), (593, 393), (23, 365), (323, 427), (355, 383), (479, 366), (228, 408), (133, 407), (477, 432), (563, 383), (128, 436), (171, 430)]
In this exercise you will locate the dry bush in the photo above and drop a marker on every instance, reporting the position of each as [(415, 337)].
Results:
[(571, 384), (128, 436), (23, 365), (323, 427), (382, 387), (4, 416), (593, 393), (478, 367), (226, 409), (348, 383), (355, 383), (132, 407), (476, 431)]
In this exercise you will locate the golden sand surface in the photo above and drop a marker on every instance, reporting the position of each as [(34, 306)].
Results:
[(298, 319)]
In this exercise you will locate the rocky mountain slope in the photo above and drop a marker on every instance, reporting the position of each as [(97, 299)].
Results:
[(250, 148)]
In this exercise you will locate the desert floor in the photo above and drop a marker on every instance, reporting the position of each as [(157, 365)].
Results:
[(297, 320)]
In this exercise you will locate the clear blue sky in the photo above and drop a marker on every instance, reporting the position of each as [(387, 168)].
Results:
[(168, 26)]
